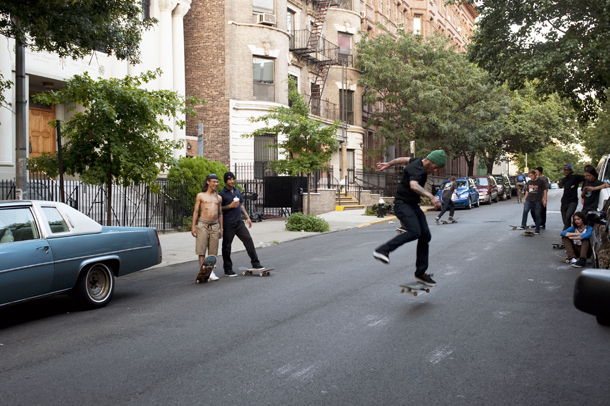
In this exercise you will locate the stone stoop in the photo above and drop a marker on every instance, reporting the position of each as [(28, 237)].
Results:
[(347, 203)]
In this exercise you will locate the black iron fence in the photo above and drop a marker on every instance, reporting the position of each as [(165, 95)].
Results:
[(133, 206)]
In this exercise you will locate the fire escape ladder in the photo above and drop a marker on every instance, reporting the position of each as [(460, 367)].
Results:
[(318, 86), (318, 24)]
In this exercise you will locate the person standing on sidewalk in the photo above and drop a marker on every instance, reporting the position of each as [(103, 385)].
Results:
[(449, 190), (569, 200), (234, 226), (535, 199), (207, 226), (406, 208)]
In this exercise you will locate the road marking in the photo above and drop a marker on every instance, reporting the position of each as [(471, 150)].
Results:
[(440, 354)]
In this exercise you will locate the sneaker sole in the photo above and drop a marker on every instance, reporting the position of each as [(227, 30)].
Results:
[(425, 283), (231, 276), (381, 257)]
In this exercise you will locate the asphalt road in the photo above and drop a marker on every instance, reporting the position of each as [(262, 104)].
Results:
[(329, 327)]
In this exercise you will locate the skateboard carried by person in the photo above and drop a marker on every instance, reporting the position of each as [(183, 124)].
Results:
[(208, 265), (253, 271)]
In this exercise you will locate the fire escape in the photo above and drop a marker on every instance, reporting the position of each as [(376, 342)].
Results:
[(313, 47)]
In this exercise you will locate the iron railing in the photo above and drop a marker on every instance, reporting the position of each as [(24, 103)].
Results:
[(319, 50), (327, 109)]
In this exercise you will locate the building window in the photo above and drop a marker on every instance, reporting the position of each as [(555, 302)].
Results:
[(344, 4), (417, 25), (263, 71), (290, 19), (262, 6), (145, 9), (346, 106), (264, 153), (345, 48), (296, 80)]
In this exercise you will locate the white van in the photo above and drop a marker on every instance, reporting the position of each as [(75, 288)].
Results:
[(603, 174)]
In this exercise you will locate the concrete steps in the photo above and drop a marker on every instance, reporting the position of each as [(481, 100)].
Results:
[(347, 203)]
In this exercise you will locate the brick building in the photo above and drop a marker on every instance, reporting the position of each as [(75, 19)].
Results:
[(238, 54)]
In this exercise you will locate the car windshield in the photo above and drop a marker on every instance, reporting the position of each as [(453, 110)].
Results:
[(462, 184), (482, 182), (498, 178)]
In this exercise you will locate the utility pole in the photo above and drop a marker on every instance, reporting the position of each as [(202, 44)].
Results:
[(21, 173)]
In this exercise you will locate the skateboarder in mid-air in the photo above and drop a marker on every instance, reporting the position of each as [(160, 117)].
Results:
[(406, 207)]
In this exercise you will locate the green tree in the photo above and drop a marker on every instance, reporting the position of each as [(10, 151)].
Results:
[(563, 44), (308, 144), (532, 124), (597, 135), (116, 138), (428, 93), (74, 28), (192, 173), (552, 159)]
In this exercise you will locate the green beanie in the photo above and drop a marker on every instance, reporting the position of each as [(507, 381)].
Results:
[(438, 157)]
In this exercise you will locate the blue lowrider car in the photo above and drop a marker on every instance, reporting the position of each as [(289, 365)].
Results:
[(468, 195), (48, 248)]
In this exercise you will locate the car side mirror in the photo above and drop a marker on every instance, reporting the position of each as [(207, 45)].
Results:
[(596, 217)]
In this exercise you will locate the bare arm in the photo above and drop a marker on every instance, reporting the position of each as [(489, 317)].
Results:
[(381, 166), (195, 216), (417, 188), (243, 210)]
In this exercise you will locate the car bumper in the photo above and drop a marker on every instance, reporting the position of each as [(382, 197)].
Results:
[(592, 292)]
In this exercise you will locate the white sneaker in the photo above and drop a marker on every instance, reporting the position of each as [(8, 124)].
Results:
[(573, 261), (213, 276)]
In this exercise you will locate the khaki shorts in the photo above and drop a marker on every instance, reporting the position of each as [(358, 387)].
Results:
[(207, 238)]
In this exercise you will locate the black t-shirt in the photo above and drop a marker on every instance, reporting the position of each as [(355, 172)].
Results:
[(570, 188), (448, 190), (231, 216), (592, 196), (535, 189), (414, 171)]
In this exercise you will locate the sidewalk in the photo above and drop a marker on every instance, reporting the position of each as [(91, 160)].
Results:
[(179, 247)]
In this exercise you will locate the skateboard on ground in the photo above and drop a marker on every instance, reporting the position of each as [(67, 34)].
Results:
[(448, 222), (414, 287), (209, 263), (558, 245), (564, 258), (518, 227), (528, 233), (252, 271)]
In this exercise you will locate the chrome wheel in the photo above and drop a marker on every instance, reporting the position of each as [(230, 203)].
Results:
[(95, 286)]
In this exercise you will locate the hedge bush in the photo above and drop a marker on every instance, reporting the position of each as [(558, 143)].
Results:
[(192, 172), (311, 223)]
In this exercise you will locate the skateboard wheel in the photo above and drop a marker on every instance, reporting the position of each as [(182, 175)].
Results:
[(197, 281), (244, 273), (414, 293), (260, 274), (402, 291), (427, 290)]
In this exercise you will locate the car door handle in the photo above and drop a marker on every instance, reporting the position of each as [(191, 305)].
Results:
[(46, 247)]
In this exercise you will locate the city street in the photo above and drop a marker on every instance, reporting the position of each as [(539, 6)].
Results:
[(328, 327)]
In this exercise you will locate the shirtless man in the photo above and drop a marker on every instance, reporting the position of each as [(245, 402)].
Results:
[(207, 227)]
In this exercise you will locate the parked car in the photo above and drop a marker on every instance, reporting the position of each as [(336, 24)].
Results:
[(504, 188), (554, 185), (603, 174), (468, 195), (49, 248), (487, 187)]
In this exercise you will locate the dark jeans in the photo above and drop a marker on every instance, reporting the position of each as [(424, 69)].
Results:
[(567, 211), (537, 211), (447, 204), (542, 217), (414, 220), (240, 230)]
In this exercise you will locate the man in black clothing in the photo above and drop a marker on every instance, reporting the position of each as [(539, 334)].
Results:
[(406, 207), (535, 199), (548, 186), (234, 226), (569, 200)]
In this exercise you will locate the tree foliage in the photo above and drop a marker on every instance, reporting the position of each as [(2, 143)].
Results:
[(562, 44), (116, 138), (597, 135), (75, 28), (308, 144), (425, 91), (192, 173), (552, 159)]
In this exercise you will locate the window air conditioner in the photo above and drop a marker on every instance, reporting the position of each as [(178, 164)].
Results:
[(363, 14), (267, 19)]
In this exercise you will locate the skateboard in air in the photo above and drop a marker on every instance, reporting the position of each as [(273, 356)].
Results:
[(414, 287), (253, 271), (209, 263), (558, 245)]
